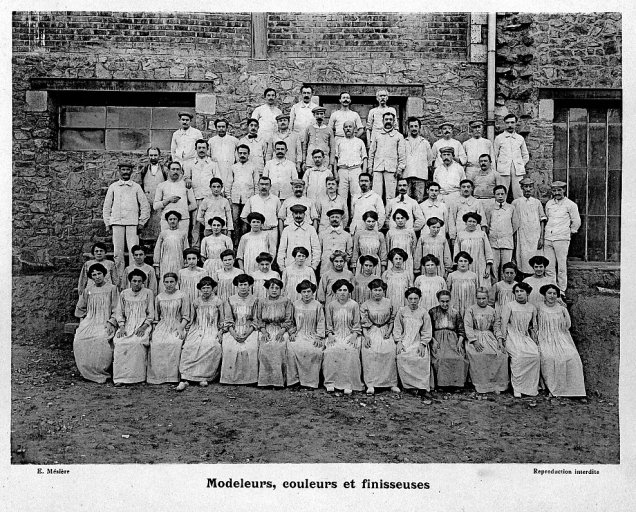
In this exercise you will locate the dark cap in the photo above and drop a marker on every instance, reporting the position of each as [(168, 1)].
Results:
[(298, 208)]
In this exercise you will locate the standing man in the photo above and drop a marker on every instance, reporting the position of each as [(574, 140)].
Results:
[(563, 222), (339, 117), (350, 160), (332, 200), (125, 211), (152, 174), (334, 238), (266, 114), (256, 143), (183, 140), (300, 115), (267, 205), (198, 174), (501, 228), (530, 221), (281, 171), (298, 234), (511, 156), (459, 155), (464, 204), (387, 157), (419, 158), (242, 186), (291, 139), (173, 196), (484, 180), (223, 151), (375, 119), (474, 148), (367, 200), (406, 203), (315, 176), (449, 175), (318, 136)]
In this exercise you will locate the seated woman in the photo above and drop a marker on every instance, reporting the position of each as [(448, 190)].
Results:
[(172, 314), (201, 353), (274, 321), (341, 360), (307, 341), (487, 359), (96, 308), (430, 282), (412, 332), (448, 355), (135, 314), (517, 331), (239, 364), (378, 350), (561, 365)]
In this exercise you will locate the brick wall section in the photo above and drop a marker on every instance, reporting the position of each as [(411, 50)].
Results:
[(367, 35), (552, 50), (142, 31)]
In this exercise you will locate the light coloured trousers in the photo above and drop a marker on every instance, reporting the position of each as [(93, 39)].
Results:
[(382, 181), (557, 253), (499, 258), (511, 180), (348, 184), (123, 236)]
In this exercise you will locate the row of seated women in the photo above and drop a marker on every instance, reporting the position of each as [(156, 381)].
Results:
[(272, 341)]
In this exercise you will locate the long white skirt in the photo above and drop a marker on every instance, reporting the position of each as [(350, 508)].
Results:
[(130, 358), (378, 361), (164, 355), (240, 360), (303, 361), (272, 358), (201, 355), (341, 366)]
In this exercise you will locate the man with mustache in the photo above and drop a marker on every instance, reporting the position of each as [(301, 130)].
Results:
[(266, 114), (223, 151), (125, 211), (419, 158), (281, 171), (375, 119), (153, 173), (475, 147), (182, 146), (511, 155), (387, 157), (301, 114), (449, 174), (447, 141), (290, 138), (344, 114)]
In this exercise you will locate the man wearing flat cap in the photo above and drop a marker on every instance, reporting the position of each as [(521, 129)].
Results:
[(182, 147), (334, 238), (125, 211), (298, 234), (449, 175), (447, 140), (291, 139), (476, 146), (318, 136), (285, 216), (530, 220), (563, 222)]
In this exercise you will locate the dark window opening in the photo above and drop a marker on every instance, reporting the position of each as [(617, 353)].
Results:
[(587, 155), (118, 121)]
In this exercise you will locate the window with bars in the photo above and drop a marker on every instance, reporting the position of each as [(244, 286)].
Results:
[(587, 156), (119, 121)]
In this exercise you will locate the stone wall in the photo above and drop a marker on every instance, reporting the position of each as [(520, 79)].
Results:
[(578, 50)]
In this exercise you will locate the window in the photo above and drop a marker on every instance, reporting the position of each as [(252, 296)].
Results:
[(587, 156), (119, 121)]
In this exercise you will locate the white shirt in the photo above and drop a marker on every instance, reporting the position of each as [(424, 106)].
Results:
[(474, 148), (411, 206), (452, 143), (301, 116), (449, 177), (511, 154), (182, 146), (201, 172), (419, 156), (338, 119), (266, 117)]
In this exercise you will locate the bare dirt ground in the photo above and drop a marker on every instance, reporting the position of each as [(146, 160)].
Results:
[(58, 418)]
